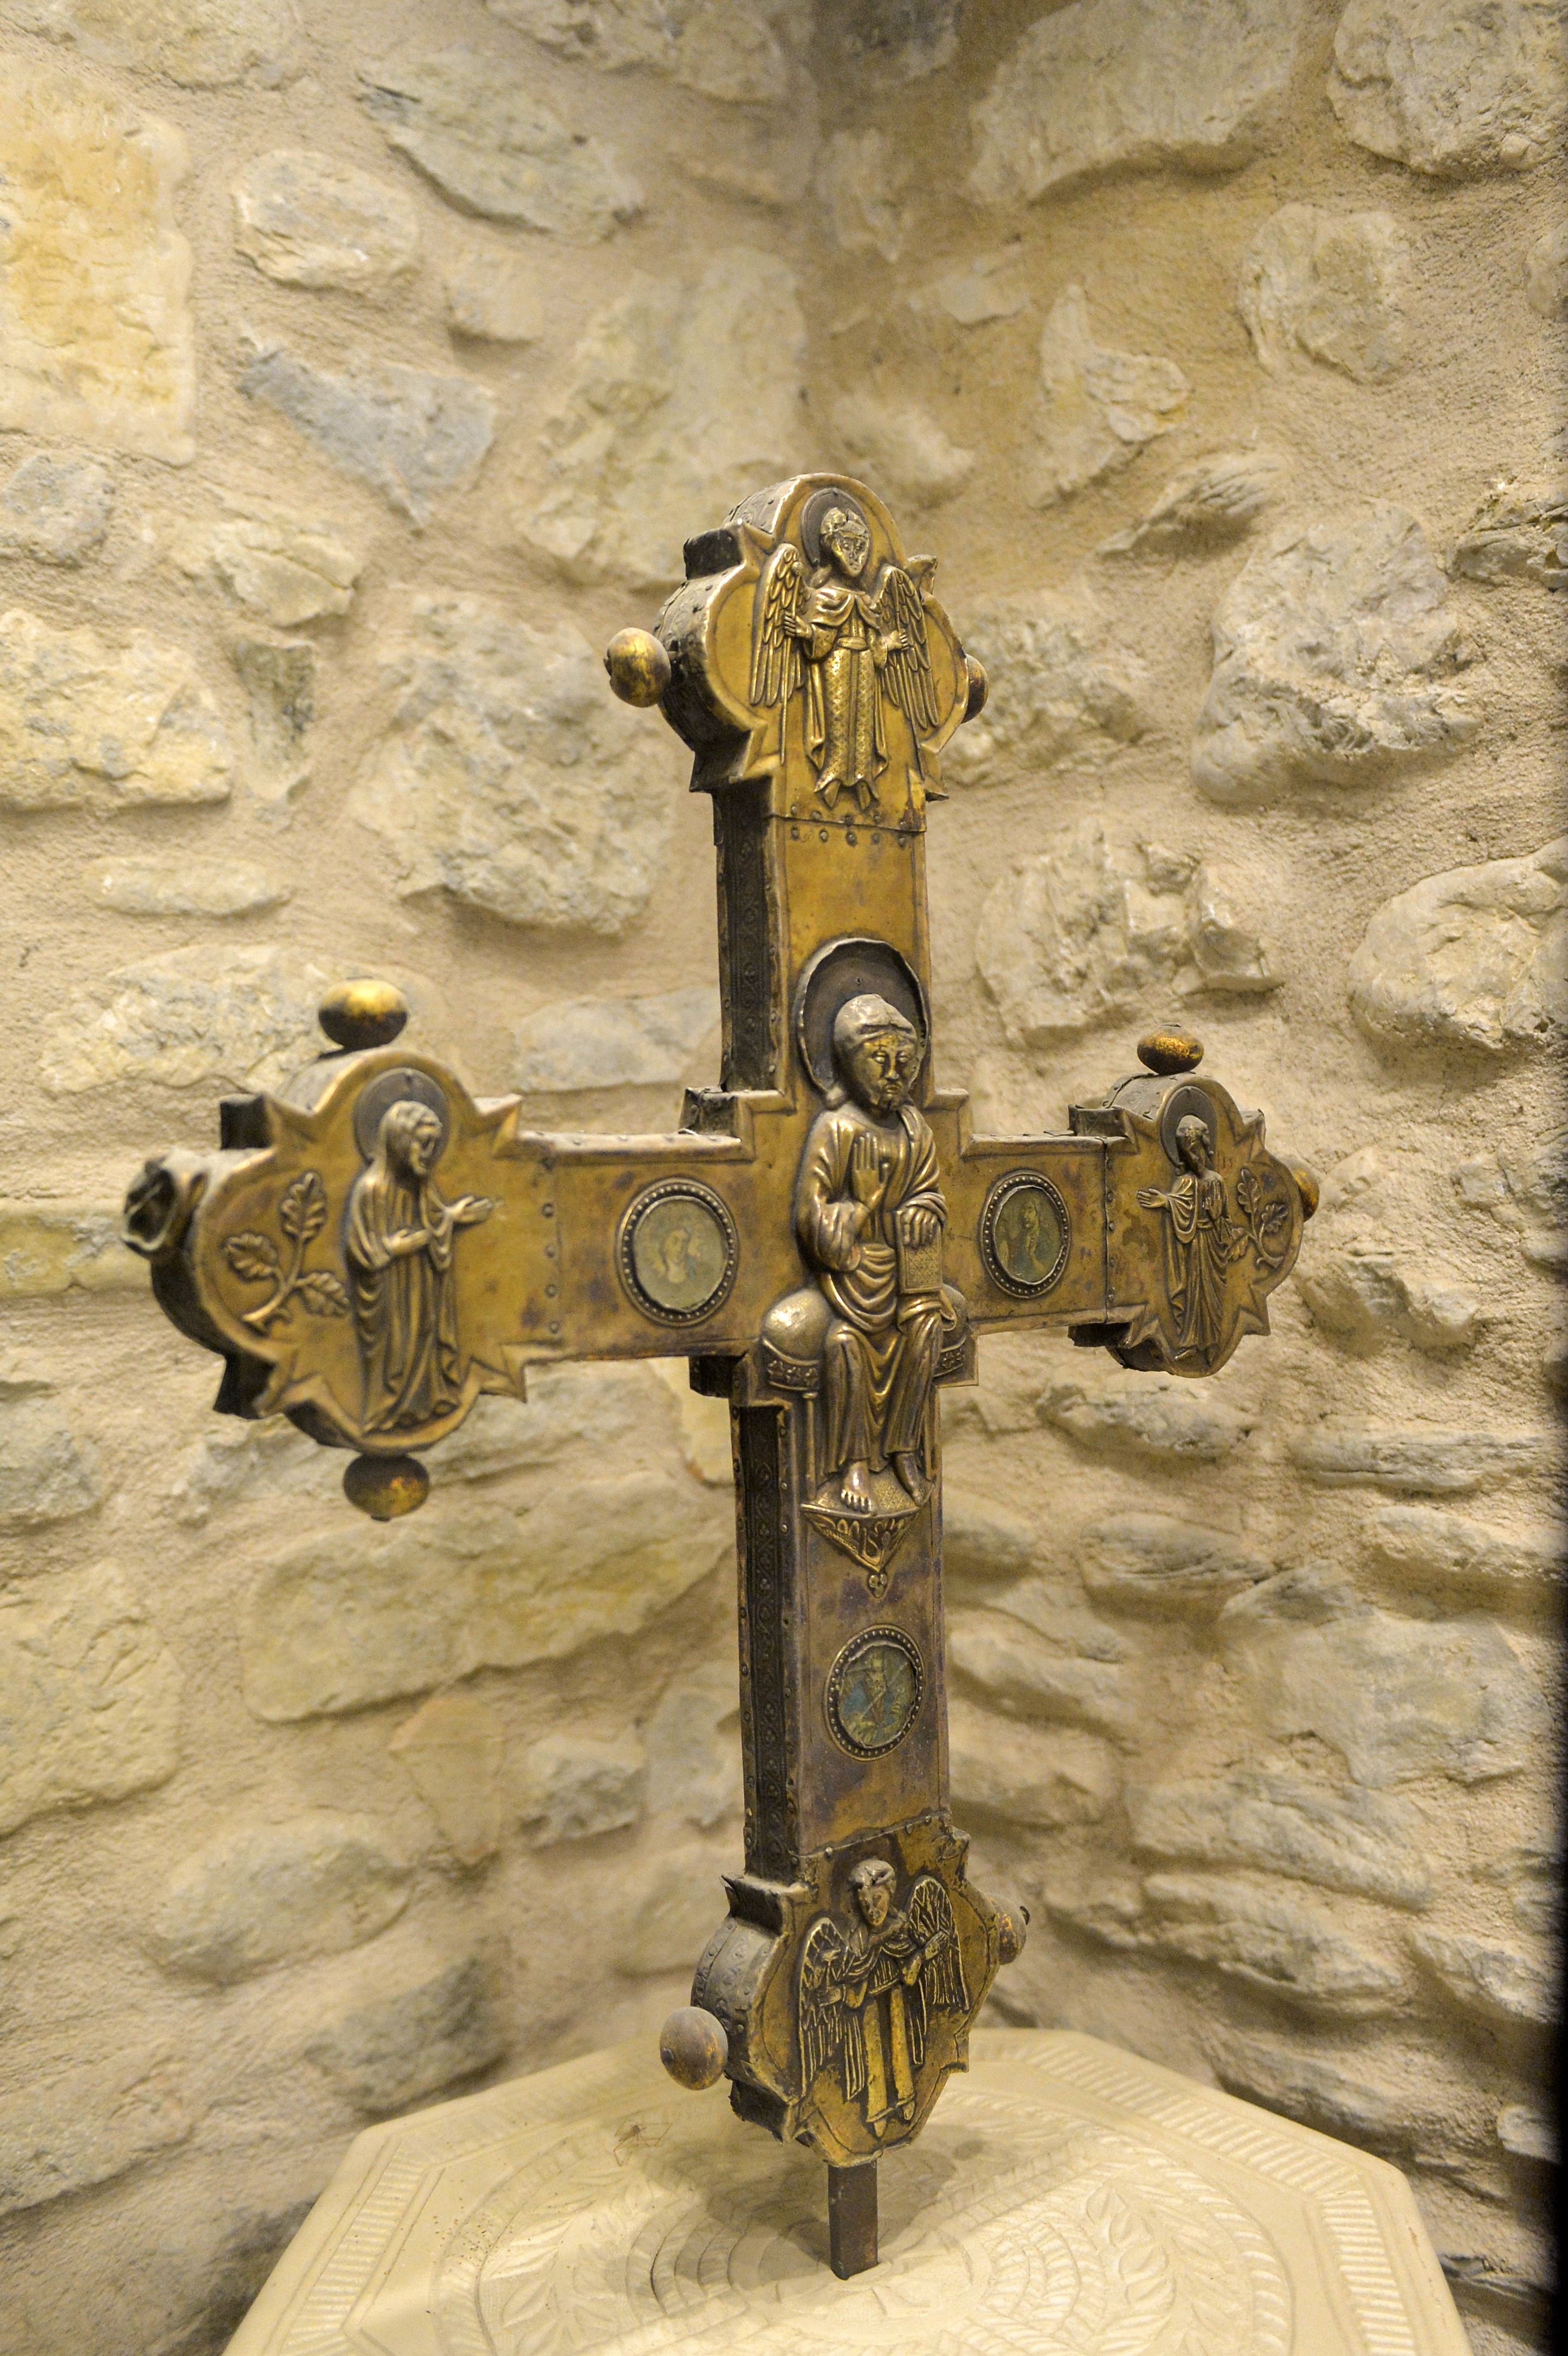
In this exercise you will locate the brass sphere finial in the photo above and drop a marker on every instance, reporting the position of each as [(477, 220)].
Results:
[(363, 1013), (694, 2048), (1167, 1053), (979, 688), (386, 1487), (1306, 1185), (638, 666)]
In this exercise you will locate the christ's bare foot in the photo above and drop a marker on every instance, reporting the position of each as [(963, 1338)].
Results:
[(911, 1472), (855, 1490)]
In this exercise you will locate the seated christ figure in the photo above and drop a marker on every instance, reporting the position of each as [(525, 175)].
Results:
[(868, 1218)]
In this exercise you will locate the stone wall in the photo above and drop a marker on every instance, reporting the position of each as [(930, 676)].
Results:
[(361, 368)]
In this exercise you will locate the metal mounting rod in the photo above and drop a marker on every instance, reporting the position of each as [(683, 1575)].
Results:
[(851, 2218)]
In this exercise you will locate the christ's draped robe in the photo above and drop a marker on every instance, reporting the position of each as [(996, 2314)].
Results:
[(880, 1351)]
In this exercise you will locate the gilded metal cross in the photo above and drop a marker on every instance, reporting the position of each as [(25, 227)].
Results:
[(824, 1238)]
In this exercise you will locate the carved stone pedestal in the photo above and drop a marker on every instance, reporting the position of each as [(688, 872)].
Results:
[(1066, 2198)]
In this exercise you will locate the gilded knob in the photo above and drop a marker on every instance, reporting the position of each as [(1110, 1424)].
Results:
[(1307, 1186), (694, 2048), (978, 690), (638, 666), (1165, 1053), (386, 1487), (363, 1013)]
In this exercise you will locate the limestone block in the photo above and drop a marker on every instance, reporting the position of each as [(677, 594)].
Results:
[(276, 1894), (1417, 1460), (454, 1749), (280, 688), (1528, 2133), (1546, 273), (1047, 1605), (1349, 1841), (1367, 1296), (1288, 1946), (860, 181), (491, 297), (183, 887), (89, 1696), (1215, 500), (1531, 1874), (1018, 1673), (1228, 951), (683, 394), (343, 1622), (309, 220), (988, 286), (199, 44), (894, 41), (693, 1745), (86, 2127), (1069, 939), (403, 2047), (1527, 1193), (1402, 2121), (702, 1426), (682, 1904), (1328, 286), (83, 723), (1515, 535), (1475, 957), (1495, 1984), (411, 435), (46, 1472), (96, 340), (235, 1463), (1157, 1564), (575, 1786), (1006, 1773), (1451, 87), (1102, 85), (982, 1541), (509, 778), (1398, 1698), (1101, 405), (1148, 1418), (585, 1412), (736, 50), (50, 1246), (1334, 650), (493, 148), (188, 1019), (1062, 690), (56, 510), (899, 444), (285, 566), (603, 1042)]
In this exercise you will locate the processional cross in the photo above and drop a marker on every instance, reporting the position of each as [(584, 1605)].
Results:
[(824, 1238)]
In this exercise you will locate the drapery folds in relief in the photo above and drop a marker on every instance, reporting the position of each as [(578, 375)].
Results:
[(399, 1242), (845, 638), (867, 1994)]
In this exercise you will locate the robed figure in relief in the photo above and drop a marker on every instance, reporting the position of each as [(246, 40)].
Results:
[(847, 637), (1201, 1240), (399, 1242), (869, 1216), (867, 1996)]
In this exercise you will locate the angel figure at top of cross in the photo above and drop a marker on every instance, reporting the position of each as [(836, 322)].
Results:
[(848, 633)]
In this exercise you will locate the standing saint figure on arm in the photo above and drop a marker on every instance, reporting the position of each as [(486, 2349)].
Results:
[(399, 1242), (1201, 1241), (848, 636), (869, 1216)]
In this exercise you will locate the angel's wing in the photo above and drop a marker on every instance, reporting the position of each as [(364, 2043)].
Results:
[(931, 1917), (777, 665), (821, 2018), (908, 673)]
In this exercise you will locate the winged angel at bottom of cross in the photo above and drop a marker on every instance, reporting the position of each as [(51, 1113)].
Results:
[(849, 641), (867, 1994)]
